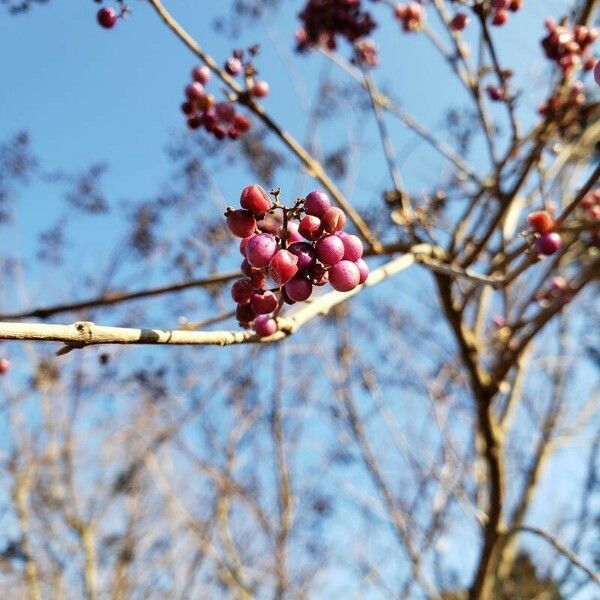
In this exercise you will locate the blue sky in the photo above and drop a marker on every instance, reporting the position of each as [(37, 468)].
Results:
[(87, 95)]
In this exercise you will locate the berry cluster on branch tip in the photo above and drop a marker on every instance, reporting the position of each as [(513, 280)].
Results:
[(287, 252)]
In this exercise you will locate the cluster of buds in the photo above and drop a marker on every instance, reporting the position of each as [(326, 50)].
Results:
[(547, 240), (569, 48), (200, 109), (591, 205), (324, 20), (566, 108), (558, 289), (500, 10), (411, 15), (288, 251)]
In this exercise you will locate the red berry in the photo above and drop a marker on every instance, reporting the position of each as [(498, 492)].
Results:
[(263, 302), (194, 122), (330, 250), (225, 111), (548, 243), (241, 223), (298, 289), (283, 266), (241, 291), (188, 108), (500, 18), (244, 313), (201, 74), (459, 22), (255, 199), (260, 250), (4, 366), (597, 72), (540, 221), (316, 204), (107, 17), (344, 276), (264, 326), (310, 227), (305, 253), (241, 122), (334, 219), (260, 89)]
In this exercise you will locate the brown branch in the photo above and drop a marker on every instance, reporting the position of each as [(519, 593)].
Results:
[(112, 298), (81, 334), (592, 575)]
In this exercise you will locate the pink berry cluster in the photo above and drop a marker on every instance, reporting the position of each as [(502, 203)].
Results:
[(591, 205), (107, 16), (411, 15), (500, 10), (200, 109), (569, 48), (566, 108), (324, 20), (220, 118), (547, 240), (558, 289), (288, 251)]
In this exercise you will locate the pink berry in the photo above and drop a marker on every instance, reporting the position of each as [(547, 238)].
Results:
[(333, 219), (263, 302), (363, 269), (330, 250), (255, 199), (260, 89), (225, 111), (305, 253), (317, 203), (258, 279), (201, 74), (241, 291), (310, 227), (298, 289), (353, 248), (293, 234), (244, 313), (264, 326), (344, 276), (194, 91), (260, 250), (597, 72), (4, 366), (283, 266), (241, 223), (243, 245), (107, 17), (548, 243)]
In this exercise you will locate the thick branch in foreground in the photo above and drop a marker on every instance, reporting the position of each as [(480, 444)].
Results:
[(84, 333)]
